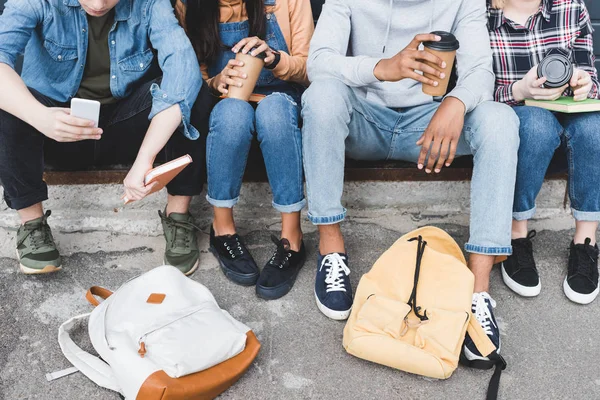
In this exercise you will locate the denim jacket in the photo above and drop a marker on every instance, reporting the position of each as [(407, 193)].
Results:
[(144, 40)]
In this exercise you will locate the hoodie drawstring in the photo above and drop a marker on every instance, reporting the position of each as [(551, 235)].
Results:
[(389, 25)]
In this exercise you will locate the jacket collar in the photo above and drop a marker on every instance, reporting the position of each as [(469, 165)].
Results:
[(122, 9)]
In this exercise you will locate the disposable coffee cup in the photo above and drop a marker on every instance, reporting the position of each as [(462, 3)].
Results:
[(253, 65), (446, 50), (557, 69)]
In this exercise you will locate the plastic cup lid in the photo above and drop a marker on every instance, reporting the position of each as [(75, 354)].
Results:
[(557, 69), (447, 43)]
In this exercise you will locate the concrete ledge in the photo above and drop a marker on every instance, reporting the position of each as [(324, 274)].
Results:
[(84, 208)]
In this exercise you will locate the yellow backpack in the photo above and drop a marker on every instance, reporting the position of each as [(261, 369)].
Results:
[(413, 308)]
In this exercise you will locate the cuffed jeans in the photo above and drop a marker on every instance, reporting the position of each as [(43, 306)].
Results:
[(24, 151), (233, 124), (338, 124), (542, 132)]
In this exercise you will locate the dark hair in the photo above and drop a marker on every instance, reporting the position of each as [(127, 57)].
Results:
[(202, 21)]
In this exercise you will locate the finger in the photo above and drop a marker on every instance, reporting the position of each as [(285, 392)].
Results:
[(422, 79), (251, 44), (580, 91), (235, 63), (74, 121), (421, 140), (425, 145), (419, 66), (260, 49), (452, 153), (222, 88), (130, 195), (235, 73), (539, 82), (575, 78), (434, 154), (427, 56), (233, 82), (80, 131), (423, 37), (445, 148), (239, 45), (269, 59), (75, 137)]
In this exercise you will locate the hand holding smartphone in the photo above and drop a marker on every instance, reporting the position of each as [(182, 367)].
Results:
[(86, 109)]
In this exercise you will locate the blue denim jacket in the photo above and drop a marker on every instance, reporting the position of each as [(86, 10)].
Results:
[(145, 39)]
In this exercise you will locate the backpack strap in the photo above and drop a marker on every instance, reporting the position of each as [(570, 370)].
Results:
[(91, 366), (486, 348), (97, 291)]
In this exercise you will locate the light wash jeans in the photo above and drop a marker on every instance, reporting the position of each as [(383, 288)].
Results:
[(233, 124), (338, 124), (542, 132)]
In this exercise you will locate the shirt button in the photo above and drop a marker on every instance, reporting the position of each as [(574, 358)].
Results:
[(141, 65), (83, 30), (164, 96), (114, 77), (113, 42), (59, 57)]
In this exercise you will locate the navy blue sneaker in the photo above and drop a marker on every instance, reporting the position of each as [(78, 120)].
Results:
[(483, 306), (333, 290)]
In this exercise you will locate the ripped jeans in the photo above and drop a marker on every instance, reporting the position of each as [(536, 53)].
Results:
[(275, 123)]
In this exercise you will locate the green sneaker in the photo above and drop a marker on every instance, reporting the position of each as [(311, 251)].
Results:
[(36, 250), (182, 247)]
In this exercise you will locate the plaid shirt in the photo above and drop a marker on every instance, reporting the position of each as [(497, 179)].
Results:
[(563, 24)]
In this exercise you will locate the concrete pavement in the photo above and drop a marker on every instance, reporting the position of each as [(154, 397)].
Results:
[(550, 343)]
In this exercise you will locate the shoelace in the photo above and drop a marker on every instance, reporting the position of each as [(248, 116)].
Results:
[(181, 234), (39, 233), (233, 245), (281, 257), (585, 260), (523, 251), (336, 266), (482, 312)]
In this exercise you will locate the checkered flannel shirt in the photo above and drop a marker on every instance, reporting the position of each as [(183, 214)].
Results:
[(562, 24)]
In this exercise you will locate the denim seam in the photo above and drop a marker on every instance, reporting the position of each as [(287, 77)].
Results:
[(296, 207), (503, 250), (328, 220), (219, 203), (585, 215), (519, 215), (570, 185)]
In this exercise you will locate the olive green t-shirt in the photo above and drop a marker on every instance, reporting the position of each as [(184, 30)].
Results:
[(95, 84)]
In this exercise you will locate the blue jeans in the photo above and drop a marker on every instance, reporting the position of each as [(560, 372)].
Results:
[(542, 132), (337, 124), (233, 124)]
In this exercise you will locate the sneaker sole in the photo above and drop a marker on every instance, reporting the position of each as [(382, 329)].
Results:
[(235, 277), (191, 271), (471, 356), (48, 269), (579, 298), (332, 314), (277, 292), (525, 291)]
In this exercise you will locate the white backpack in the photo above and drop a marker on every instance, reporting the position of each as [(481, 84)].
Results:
[(158, 323)]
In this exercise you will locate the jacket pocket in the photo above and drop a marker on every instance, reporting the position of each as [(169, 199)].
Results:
[(139, 62), (59, 52), (382, 315)]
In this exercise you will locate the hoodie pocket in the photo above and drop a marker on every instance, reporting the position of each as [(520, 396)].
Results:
[(383, 316)]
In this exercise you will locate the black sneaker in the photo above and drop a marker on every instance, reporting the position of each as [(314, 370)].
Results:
[(581, 282), (236, 262), (333, 290), (483, 309), (279, 274), (519, 271)]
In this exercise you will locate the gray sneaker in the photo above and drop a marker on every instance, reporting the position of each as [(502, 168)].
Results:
[(182, 246), (36, 250)]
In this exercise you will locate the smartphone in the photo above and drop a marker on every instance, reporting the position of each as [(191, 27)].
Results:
[(86, 109)]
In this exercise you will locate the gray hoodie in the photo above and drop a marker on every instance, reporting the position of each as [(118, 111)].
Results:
[(353, 35)]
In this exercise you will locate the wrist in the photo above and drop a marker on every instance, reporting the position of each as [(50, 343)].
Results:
[(380, 70), (36, 115), (517, 94), (455, 103), (275, 61), (144, 157)]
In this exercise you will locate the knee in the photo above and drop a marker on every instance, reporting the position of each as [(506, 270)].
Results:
[(276, 115), (538, 127), (583, 130), (231, 122), (498, 127), (325, 98)]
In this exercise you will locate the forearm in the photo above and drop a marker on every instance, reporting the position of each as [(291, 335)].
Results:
[(15, 97), (160, 131)]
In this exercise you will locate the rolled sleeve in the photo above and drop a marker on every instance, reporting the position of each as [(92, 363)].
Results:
[(17, 22), (181, 80)]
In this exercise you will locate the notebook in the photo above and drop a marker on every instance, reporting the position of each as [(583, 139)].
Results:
[(164, 174), (566, 105)]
